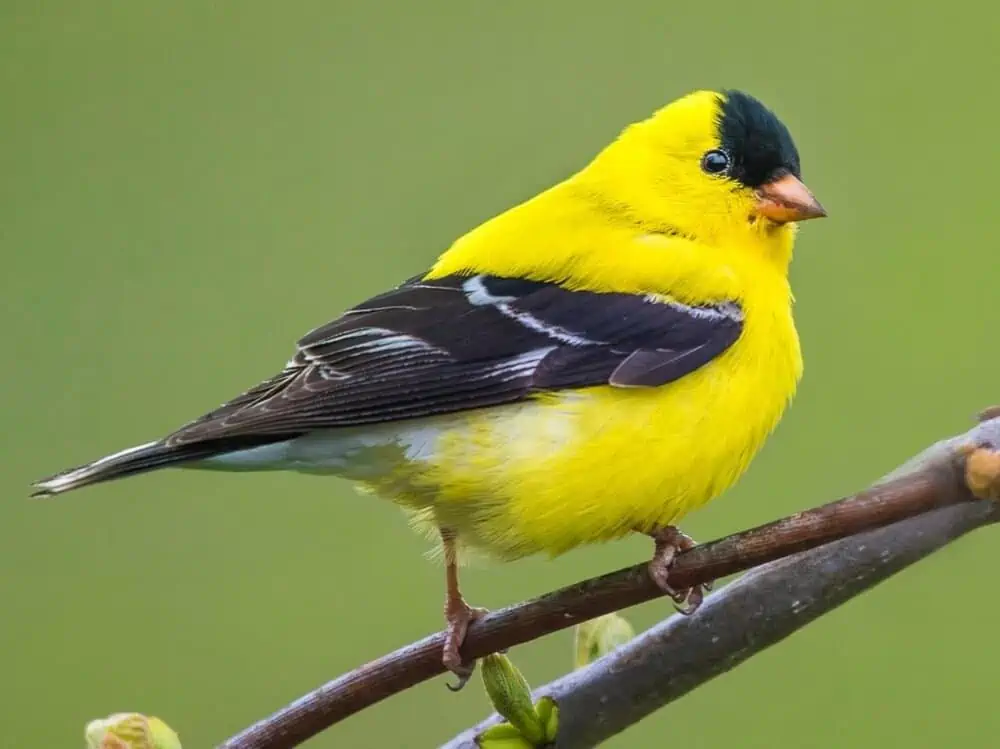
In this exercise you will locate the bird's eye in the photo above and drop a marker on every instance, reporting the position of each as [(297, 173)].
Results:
[(715, 162)]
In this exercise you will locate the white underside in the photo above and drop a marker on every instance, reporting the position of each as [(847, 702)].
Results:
[(358, 454), (518, 431)]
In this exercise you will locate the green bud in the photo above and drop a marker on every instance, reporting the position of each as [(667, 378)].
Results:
[(502, 736), (599, 637), (511, 697), (548, 713), (130, 731)]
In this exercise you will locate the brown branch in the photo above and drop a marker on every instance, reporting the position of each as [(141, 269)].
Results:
[(932, 480), (758, 610)]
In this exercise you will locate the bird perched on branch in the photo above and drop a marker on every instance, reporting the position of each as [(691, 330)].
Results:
[(594, 362)]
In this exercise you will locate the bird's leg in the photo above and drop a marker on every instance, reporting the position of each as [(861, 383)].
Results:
[(669, 542), (458, 614)]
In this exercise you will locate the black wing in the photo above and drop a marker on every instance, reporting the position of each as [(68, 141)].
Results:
[(463, 342)]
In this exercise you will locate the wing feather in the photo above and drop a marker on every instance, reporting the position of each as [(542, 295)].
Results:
[(464, 342)]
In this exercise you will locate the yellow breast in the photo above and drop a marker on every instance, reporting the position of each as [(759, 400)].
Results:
[(595, 464), (591, 465)]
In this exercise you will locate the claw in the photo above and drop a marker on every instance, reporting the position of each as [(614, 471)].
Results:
[(459, 616), (669, 543), (691, 602), (463, 677)]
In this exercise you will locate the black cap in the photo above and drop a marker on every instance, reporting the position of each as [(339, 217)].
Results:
[(758, 143)]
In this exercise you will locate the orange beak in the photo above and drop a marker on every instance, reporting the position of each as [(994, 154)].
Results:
[(787, 199)]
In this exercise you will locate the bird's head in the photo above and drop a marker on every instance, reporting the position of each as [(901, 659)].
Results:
[(718, 167)]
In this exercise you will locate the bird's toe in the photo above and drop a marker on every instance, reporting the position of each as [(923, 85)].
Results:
[(459, 616)]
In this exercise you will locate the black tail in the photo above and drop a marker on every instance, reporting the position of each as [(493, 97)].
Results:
[(137, 459)]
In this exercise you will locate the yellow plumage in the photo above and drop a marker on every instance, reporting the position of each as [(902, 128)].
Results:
[(594, 464)]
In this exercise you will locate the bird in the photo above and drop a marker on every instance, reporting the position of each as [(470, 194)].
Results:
[(594, 362)]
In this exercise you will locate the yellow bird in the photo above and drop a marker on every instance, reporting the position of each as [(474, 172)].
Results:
[(594, 362)]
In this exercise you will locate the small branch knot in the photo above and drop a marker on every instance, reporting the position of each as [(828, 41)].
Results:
[(982, 472)]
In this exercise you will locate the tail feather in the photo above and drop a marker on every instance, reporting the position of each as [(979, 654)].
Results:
[(126, 462)]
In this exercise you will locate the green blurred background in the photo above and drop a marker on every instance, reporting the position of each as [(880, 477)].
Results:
[(185, 187)]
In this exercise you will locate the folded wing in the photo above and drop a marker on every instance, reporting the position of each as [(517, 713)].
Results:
[(464, 342)]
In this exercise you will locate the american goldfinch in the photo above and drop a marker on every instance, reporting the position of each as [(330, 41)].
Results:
[(594, 362)]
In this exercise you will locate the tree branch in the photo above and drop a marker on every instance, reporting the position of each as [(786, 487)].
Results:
[(746, 617), (934, 479)]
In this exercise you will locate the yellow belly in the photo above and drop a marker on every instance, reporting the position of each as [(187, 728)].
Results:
[(592, 465)]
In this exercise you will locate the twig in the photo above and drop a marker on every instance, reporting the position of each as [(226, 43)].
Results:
[(932, 480)]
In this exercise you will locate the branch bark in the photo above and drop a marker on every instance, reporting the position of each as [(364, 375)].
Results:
[(679, 654)]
